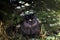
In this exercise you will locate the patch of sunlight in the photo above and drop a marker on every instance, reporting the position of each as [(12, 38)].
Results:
[(18, 7), (48, 9), (50, 38), (58, 34), (22, 2), (22, 6), (53, 24), (34, 39), (26, 4)]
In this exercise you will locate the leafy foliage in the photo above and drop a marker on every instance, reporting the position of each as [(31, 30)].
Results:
[(46, 10)]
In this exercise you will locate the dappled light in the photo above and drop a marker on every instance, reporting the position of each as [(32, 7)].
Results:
[(30, 20)]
